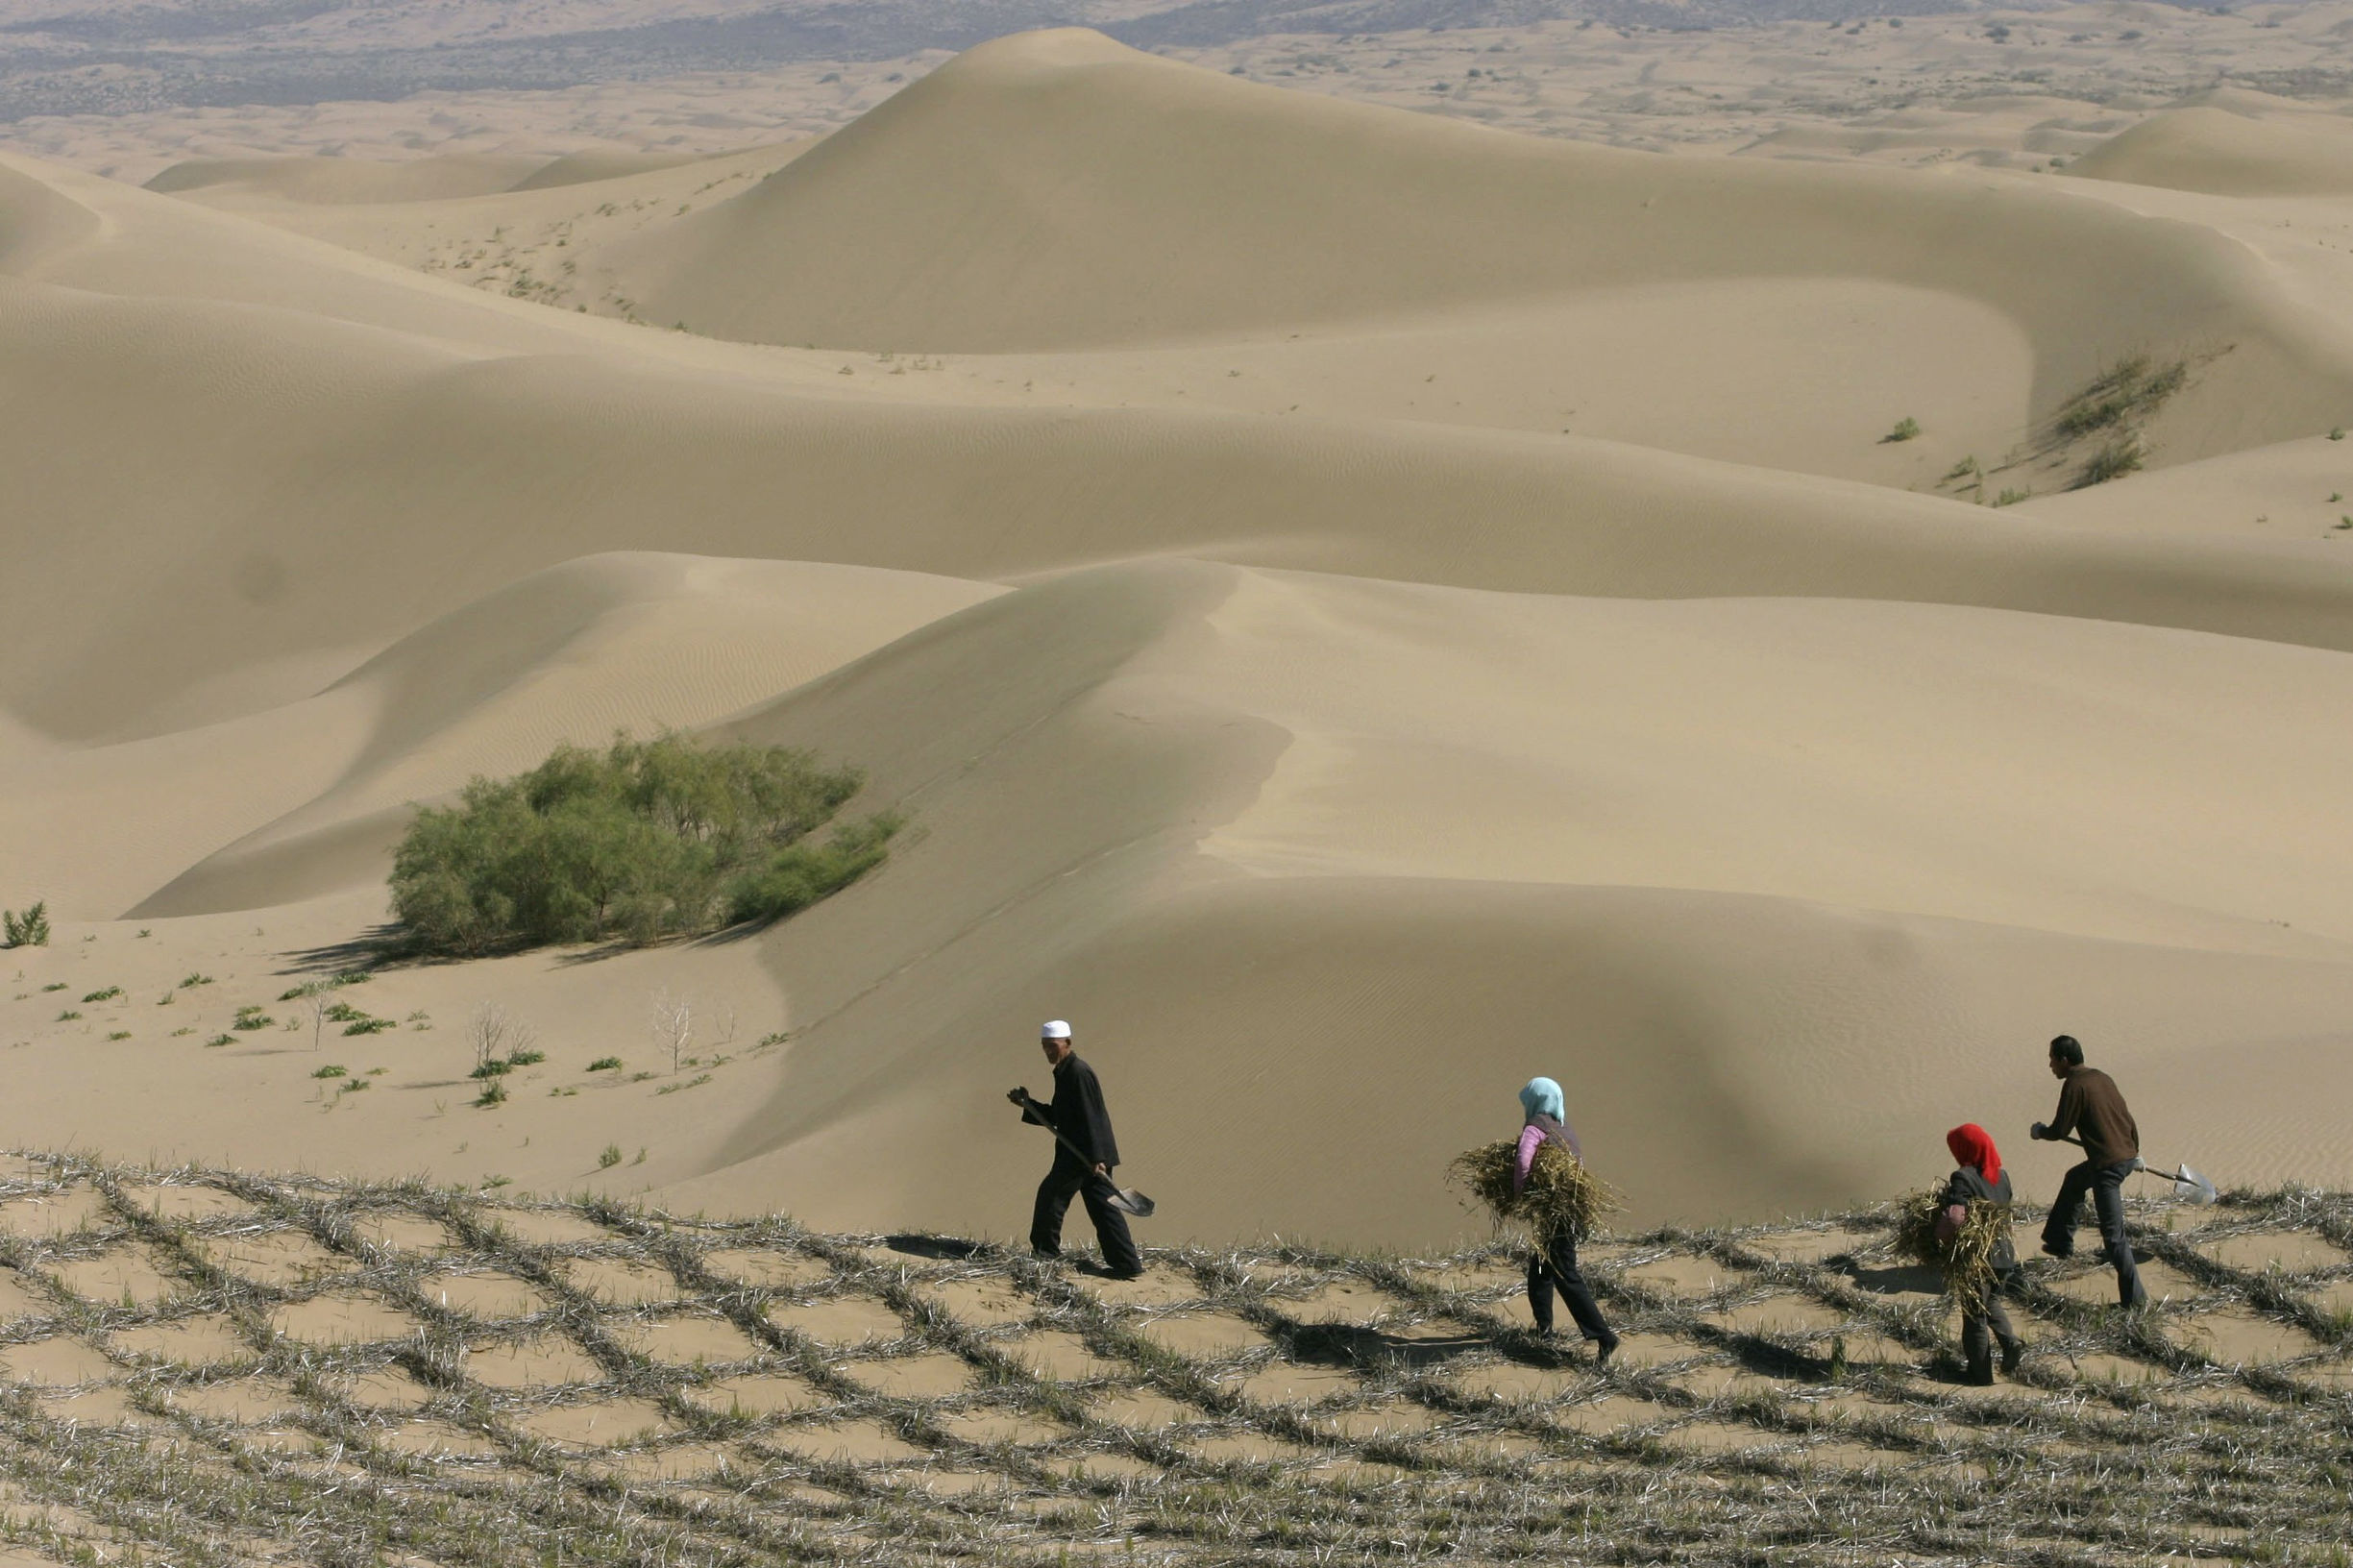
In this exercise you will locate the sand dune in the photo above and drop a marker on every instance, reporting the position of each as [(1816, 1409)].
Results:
[(595, 165), (338, 179), (305, 455), (1360, 608), (1293, 848), (597, 644), (2225, 154), (962, 216)]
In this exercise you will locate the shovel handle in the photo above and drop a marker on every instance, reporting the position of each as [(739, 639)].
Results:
[(1030, 1103), (2141, 1167)]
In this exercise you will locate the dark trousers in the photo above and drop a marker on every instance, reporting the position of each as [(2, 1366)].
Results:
[(1552, 1266), (1983, 1322), (1069, 1179), (2106, 1184)]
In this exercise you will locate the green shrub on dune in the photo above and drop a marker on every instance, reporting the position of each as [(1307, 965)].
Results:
[(643, 841)]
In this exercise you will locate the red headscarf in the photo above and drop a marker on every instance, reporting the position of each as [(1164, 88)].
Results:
[(1972, 1145)]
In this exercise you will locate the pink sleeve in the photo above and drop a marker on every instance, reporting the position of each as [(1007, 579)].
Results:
[(1531, 1138)]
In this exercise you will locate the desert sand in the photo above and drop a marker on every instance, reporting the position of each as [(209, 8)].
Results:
[(1362, 607)]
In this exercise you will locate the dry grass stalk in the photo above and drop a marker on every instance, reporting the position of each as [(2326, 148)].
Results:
[(1966, 1259), (1561, 1192), (1193, 1465)]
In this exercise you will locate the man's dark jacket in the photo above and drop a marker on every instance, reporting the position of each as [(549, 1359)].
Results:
[(1077, 1113)]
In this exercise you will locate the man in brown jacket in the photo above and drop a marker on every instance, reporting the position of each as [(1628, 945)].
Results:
[(2093, 1109)]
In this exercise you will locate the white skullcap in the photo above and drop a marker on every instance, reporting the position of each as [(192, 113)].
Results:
[(1057, 1030)]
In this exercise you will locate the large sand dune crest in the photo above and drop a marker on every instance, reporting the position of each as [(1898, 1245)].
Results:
[(1057, 190), (1237, 935)]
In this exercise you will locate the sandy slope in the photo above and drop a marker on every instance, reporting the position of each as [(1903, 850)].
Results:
[(349, 180), (964, 215), (2212, 149), (1462, 622)]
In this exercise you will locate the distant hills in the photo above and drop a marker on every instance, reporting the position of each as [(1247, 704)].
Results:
[(91, 56)]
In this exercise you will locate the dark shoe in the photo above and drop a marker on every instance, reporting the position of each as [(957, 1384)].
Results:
[(2137, 1302), (1123, 1273), (2012, 1351), (2052, 1249), (1603, 1350)]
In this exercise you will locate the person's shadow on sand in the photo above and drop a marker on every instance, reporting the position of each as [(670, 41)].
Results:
[(1349, 1344), (1911, 1279)]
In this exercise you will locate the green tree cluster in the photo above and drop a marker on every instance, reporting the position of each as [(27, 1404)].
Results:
[(642, 841)]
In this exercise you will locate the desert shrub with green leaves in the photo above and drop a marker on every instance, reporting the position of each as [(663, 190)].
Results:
[(640, 841), (30, 929)]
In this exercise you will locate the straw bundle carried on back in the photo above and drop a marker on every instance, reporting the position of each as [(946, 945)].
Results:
[(1967, 1258), (1561, 1192)]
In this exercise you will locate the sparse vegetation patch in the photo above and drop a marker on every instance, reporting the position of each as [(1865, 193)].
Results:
[(641, 842), (2112, 461), (2132, 388)]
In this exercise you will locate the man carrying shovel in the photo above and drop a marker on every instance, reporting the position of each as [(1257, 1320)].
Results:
[(2092, 1108), (1084, 1155)]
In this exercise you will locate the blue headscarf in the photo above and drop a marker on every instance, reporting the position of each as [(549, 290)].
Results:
[(1542, 1096)]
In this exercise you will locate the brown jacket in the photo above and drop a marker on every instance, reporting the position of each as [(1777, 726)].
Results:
[(2091, 1106)]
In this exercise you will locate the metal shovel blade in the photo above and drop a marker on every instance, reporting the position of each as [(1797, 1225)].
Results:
[(1128, 1201), (2189, 1187)]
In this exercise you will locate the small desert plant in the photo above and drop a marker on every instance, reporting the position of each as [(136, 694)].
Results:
[(30, 929), (251, 1017), (107, 994), (2112, 462), (674, 1025), (605, 1064), (2010, 498), (1906, 429), (366, 1025), (643, 841), (494, 1092), (190, 980), (330, 1072), (120, 1033), (54, 984), (611, 1158), (496, 1035), (69, 1015)]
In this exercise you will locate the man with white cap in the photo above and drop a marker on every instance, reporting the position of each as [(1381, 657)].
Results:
[(1083, 1156)]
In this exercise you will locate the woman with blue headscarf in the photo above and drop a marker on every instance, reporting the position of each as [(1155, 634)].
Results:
[(1553, 1263)]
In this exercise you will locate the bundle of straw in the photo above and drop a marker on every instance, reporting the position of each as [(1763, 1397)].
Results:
[(1559, 1191), (1967, 1258)]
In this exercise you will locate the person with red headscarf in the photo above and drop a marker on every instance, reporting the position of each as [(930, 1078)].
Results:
[(1981, 1179)]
